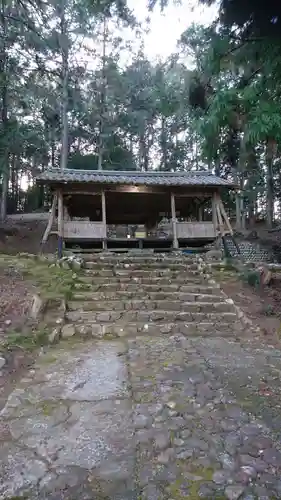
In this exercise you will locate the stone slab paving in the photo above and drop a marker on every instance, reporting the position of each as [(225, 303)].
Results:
[(147, 418)]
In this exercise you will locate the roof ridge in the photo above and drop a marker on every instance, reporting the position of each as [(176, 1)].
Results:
[(130, 172)]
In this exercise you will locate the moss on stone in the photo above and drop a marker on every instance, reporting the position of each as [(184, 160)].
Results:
[(48, 358), (25, 497), (204, 473), (47, 408), (50, 279)]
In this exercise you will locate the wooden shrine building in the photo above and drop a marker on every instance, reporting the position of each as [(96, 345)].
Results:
[(120, 210)]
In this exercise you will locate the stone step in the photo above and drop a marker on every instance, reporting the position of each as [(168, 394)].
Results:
[(143, 305), (89, 295), (126, 316), (148, 279), (138, 258), (118, 329), (157, 265), (145, 288), (142, 273)]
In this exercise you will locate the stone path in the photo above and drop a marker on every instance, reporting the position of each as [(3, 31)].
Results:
[(148, 416)]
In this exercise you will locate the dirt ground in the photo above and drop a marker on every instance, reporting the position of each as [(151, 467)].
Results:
[(25, 236), (16, 296), (261, 305), (15, 301)]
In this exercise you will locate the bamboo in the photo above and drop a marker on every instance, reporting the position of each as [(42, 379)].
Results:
[(51, 219), (174, 221)]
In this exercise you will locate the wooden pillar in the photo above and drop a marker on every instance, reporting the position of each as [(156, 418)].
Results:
[(214, 213), (103, 212), (200, 213), (66, 216), (60, 223), (174, 221)]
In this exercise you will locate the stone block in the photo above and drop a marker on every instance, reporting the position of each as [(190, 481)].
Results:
[(37, 307), (54, 336), (68, 331)]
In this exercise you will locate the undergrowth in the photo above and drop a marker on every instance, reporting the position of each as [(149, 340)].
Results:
[(51, 280), (52, 283), (28, 339)]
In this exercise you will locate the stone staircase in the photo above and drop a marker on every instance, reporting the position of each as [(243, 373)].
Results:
[(119, 295)]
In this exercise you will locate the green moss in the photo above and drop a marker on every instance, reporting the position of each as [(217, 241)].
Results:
[(48, 359), (50, 279), (175, 489), (27, 340), (53, 283), (47, 408), (18, 498), (204, 473)]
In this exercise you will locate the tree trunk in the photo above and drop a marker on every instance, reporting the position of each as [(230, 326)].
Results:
[(4, 196), (13, 176), (163, 142), (65, 70), (102, 96), (142, 149), (239, 180), (217, 166), (4, 165), (251, 214), (270, 149), (53, 147)]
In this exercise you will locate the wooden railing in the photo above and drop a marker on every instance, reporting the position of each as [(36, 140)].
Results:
[(190, 230), (84, 230)]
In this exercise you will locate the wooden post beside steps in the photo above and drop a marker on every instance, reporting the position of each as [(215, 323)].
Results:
[(174, 222)]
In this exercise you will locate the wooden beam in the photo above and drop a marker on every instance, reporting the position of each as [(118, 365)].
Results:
[(174, 221), (224, 214), (221, 224), (200, 195), (51, 219), (60, 223), (93, 190), (103, 212), (81, 192)]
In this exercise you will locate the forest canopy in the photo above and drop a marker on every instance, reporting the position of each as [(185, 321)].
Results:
[(78, 90)]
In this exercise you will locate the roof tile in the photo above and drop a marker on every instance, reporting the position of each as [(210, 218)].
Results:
[(152, 178)]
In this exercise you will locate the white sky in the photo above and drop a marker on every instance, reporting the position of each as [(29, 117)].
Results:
[(166, 27)]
